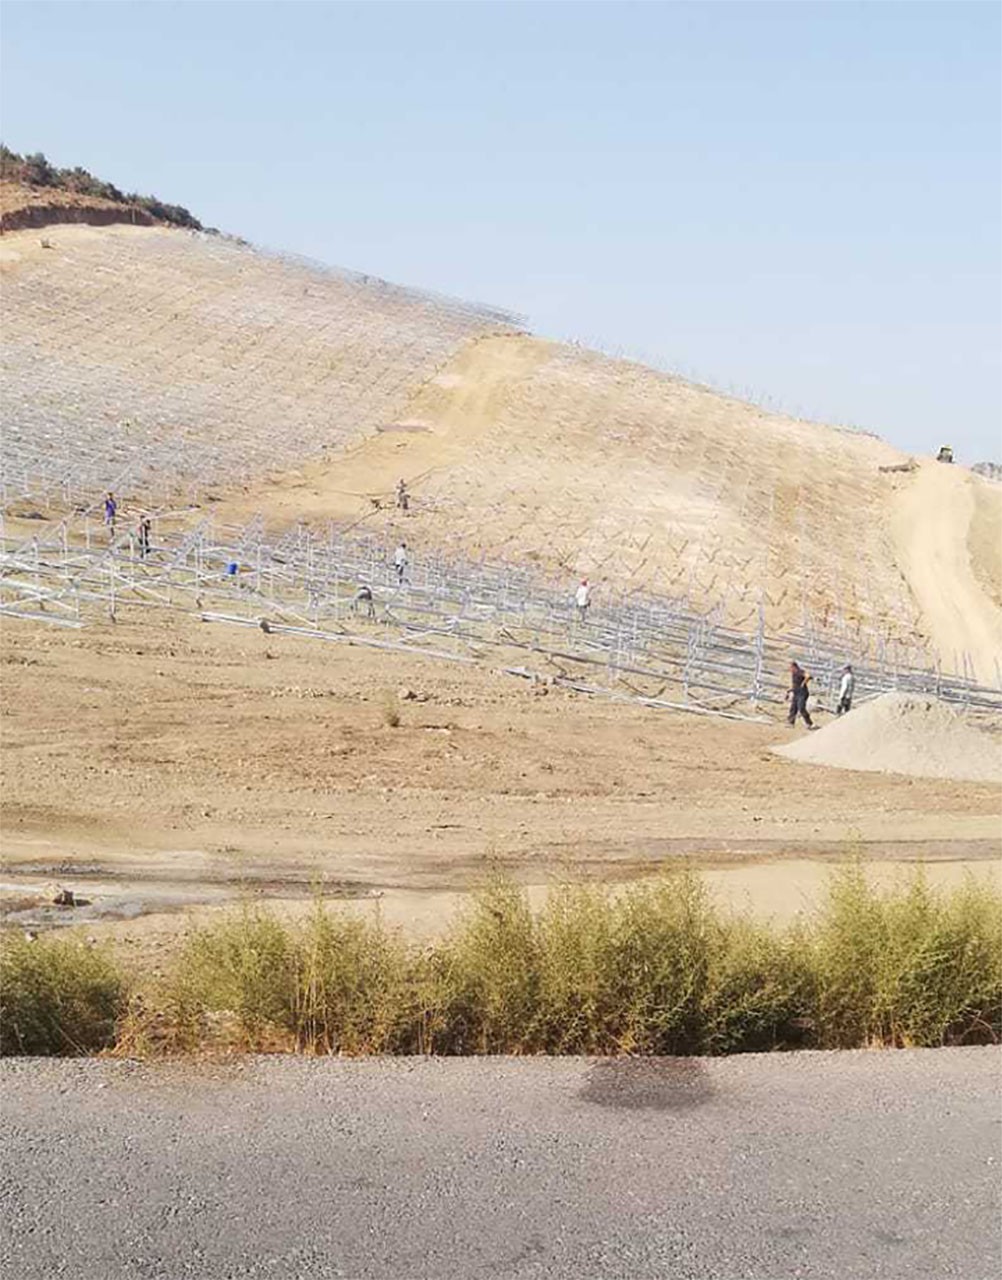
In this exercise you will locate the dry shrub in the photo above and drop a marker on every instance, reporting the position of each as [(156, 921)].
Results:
[(908, 966), (390, 709), (58, 996), (654, 969), (480, 985), (356, 987)]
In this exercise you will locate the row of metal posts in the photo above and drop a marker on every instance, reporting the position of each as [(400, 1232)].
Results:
[(641, 635)]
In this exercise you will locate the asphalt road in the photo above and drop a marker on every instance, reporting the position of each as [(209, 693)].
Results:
[(868, 1165)]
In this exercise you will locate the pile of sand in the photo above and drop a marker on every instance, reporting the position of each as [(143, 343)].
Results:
[(904, 733)]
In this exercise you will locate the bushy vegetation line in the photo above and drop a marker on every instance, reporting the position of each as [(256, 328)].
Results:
[(655, 969), (36, 171)]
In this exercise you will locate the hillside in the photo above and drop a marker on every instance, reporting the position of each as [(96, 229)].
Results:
[(169, 364), (35, 193)]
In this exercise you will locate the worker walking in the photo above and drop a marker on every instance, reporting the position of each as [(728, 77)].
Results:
[(400, 562), (582, 599), (403, 497), (846, 688), (799, 693), (110, 514)]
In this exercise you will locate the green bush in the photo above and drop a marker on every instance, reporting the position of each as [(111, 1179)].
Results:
[(57, 996), (761, 991)]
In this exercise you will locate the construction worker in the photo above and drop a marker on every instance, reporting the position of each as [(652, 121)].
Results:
[(363, 602), (144, 528), (846, 688), (799, 693), (110, 513), (582, 599), (400, 562), (403, 497)]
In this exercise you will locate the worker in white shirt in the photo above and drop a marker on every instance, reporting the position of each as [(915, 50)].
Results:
[(582, 598), (845, 690), (400, 561)]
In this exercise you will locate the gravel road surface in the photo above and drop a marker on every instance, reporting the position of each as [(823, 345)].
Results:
[(868, 1165)]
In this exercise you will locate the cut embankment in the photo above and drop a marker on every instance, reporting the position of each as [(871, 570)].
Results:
[(908, 734)]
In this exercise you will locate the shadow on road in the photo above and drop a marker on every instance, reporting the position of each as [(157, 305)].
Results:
[(654, 1084)]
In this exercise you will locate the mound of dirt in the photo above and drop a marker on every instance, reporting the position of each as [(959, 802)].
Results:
[(904, 733)]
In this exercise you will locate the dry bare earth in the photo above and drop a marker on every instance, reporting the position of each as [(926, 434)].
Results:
[(184, 755)]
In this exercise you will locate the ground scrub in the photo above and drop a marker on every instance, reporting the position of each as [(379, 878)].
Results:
[(655, 969), (58, 996)]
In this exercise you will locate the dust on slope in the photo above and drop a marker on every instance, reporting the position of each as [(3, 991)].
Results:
[(534, 451), (932, 522)]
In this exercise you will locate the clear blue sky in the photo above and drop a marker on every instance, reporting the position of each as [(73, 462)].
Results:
[(802, 200)]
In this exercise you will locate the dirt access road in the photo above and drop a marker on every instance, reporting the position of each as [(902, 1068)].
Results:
[(936, 517), (823, 1166), (191, 760)]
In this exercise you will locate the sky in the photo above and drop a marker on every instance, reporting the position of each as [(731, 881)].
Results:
[(800, 203)]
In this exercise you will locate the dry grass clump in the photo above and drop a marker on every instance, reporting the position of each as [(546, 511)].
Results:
[(332, 984), (655, 969), (390, 711), (57, 996), (909, 966)]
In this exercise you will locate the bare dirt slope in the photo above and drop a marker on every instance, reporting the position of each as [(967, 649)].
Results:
[(166, 362), (161, 362), (950, 572), (166, 752), (534, 451)]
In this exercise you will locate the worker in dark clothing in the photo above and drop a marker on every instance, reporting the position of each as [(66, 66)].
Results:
[(364, 603), (799, 693), (144, 529)]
